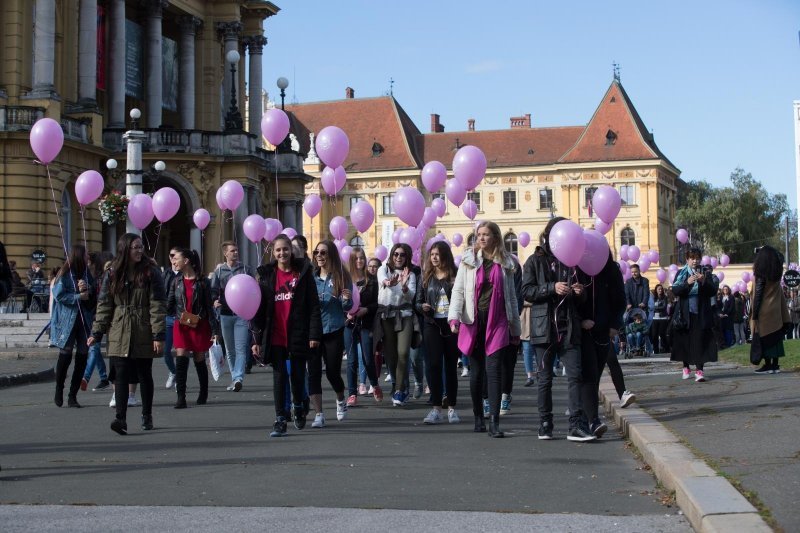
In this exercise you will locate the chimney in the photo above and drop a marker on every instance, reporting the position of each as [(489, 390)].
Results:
[(436, 126), (349, 93), (521, 122), (471, 124)]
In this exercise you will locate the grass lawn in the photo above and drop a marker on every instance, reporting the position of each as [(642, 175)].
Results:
[(741, 355)]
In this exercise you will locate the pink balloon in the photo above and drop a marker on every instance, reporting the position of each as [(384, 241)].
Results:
[(470, 209), (332, 146), (654, 256), (312, 205), (381, 252), (735, 288), (254, 228), (409, 236), (429, 217), (344, 254), (232, 194), (724, 260), (201, 219), (458, 239), (705, 260), (720, 276), (275, 126), (469, 166), (623, 252), (623, 266), (416, 258), (439, 207), (742, 286), (339, 243), (47, 139), (396, 235), (243, 295), (634, 253), (661, 275), (140, 210), (272, 228), (606, 203), (713, 261), (595, 253), (673, 267), (434, 174), (524, 239), (455, 192), (333, 180), (166, 202), (221, 200), (682, 235), (746, 277), (409, 205), (338, 227), (362, 215), (457, 260), (567, 242), (290, 232), (602, 227), (88, 187), (644, 264)]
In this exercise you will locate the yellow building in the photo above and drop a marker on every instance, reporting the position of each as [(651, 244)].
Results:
[(86, 64), (533, 173)]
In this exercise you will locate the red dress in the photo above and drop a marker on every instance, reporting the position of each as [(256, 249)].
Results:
[(191, 339)]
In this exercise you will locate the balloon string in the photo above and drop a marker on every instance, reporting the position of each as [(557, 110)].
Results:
[(158, 236), (277, 198), (83, 224), (55, 208)]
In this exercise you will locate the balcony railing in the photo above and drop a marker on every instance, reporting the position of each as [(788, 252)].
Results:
[(22, 118)]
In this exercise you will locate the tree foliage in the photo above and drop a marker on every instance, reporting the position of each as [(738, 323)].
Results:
[(733, 219)]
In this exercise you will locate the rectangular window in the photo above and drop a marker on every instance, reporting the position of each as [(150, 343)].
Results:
[(354, 200), (626, 194), (509, 200), (545, 198), (588, 193), (475, 197), (388, 204)]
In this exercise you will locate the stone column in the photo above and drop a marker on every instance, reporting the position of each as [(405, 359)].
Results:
[(116, 82), (154, 90), (229, 32), (288, 213), (186, 105), (298, 214), (87, 54), (255, 46), (133, 177), (44, 49)]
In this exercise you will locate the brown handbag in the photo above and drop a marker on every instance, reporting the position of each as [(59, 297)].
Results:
[(189, 319)]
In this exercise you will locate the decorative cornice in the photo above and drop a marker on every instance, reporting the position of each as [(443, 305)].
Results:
[(229, 31), (255, 44)]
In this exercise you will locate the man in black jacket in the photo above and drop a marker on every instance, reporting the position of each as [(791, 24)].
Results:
[(637, 290)]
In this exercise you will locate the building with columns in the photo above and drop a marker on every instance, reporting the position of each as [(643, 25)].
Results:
[(533, 173), (166, 58)]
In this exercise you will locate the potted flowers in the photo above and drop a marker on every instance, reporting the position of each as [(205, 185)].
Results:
[(113, 207)]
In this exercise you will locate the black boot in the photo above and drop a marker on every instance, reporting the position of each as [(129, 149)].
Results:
[(62, 365), (181, 369), (119, 426), (202, 377), (494, 427), (77, 376), (147, 422), (480, 424)]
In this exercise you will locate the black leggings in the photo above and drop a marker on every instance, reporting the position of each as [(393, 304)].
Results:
[(280, 355), (441, 346), (331, 348), (125, 369), (615, 371), (659, 329), (594, 356), (486, 371)]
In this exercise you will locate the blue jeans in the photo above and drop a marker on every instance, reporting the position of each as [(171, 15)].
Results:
[(236, 334), (529, 357), (169, 359), (95, 359), (635, 340), (359, 355)]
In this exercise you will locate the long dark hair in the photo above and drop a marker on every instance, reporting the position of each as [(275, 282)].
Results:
[(353, 265), (768, 264), (341, 278), (75, 263), (446, 260), (119, 267), (194, 260), (390, 261)]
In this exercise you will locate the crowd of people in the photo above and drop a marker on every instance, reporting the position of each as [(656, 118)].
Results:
[(317, 311)]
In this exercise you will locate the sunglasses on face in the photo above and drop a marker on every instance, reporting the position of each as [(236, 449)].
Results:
[(398, 254), (323, 253)]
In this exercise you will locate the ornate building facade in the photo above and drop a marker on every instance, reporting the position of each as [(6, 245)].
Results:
[(86, 64), (533, 173)]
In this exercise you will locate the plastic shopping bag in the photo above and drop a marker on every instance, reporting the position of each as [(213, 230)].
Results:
[(216, 360)]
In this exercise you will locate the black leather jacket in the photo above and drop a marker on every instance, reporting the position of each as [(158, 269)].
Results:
[(201, 301), (430, 294)]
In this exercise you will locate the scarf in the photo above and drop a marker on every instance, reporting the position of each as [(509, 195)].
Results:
[(497, 336)]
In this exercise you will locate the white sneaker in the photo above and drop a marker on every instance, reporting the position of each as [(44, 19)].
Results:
[(341, 410), (452, 416), (113, 402), (170, 381), (627, 398), (434, 417), (563, 371), (319, 421), (465, 372), (132, 402), (371, 391), (388, 378)]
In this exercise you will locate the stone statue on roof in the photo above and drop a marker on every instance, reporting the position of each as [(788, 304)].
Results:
[(312, 158), (295, 142)]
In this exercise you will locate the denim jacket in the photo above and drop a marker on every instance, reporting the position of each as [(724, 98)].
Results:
[(333, 308), (66, 303)]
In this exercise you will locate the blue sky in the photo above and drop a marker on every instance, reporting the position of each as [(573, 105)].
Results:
[(713, 80)]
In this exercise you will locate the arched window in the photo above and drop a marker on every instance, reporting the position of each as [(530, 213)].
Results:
[(471, 240), (511, 244), (628, 237), (357, 241)]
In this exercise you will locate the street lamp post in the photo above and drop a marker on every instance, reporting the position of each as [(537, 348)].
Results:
[(233, 120), (282, 84)]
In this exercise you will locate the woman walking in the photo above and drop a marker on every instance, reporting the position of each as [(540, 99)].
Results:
[(132, 310), (396, 290), (358, 333), (770, 314), (441, 346), (287, 327), (335, 299), (725, 310), (693, 341), (484, 313), (74, 302), (195, 326), (660, 325)]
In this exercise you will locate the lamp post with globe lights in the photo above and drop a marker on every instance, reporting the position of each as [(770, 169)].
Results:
[(233, 119)]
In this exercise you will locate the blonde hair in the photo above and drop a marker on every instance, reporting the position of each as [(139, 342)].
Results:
[(500, 254)]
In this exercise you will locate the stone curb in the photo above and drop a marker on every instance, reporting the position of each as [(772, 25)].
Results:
[(708, 500), (10, 380)]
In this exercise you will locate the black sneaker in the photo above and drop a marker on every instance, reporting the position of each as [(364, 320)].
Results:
[(598, 429), (119, 426), (765, 369), (299, 414), (279, 428), (102, 385), (546, 431), (776, 369), (578, 434), (529, 382)]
